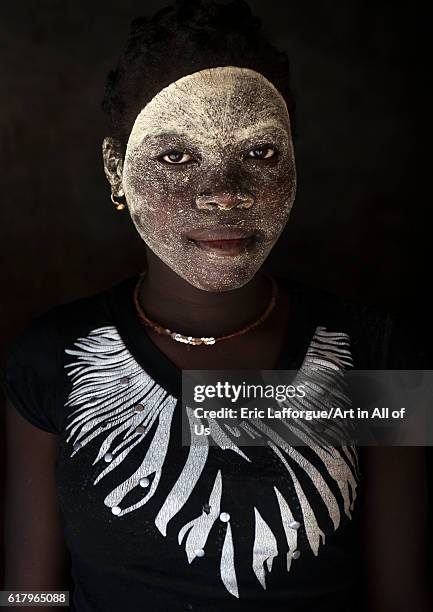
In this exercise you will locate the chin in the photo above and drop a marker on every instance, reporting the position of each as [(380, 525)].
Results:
[(216, 282)]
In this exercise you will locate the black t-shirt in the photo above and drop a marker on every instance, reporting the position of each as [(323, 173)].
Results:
[(154, 525)]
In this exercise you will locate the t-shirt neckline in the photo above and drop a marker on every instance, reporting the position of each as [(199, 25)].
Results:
[(147, 354)]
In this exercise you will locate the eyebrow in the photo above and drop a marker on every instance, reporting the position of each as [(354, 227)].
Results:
[(261, 125), (242, 133)]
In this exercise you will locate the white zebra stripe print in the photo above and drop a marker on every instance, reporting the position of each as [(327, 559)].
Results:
[(108, 384)]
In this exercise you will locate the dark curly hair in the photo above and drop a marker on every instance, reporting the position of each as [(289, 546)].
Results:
[(188, 36)]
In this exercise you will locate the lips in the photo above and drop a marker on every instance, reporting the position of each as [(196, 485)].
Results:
[(223, 241)]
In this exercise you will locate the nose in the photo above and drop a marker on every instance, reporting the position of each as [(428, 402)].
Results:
[(224, 199)]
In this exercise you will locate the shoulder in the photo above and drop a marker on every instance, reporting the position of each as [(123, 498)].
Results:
[(64, 322), (38, 347), (55, 325), (338, 311), (33, 375), (381, 338)]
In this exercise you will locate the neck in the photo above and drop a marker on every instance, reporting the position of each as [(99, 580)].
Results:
[(174, 303)]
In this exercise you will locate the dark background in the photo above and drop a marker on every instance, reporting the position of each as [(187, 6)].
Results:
[(360, 226)]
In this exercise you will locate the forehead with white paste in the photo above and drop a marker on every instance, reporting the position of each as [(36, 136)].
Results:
[(217, 104)]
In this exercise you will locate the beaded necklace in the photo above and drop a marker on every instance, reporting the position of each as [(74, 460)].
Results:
[(195, 341)]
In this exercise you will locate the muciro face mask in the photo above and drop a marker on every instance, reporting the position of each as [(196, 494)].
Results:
[(212, 155)]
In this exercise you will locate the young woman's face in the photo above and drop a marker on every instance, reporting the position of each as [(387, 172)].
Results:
[(209, 175)]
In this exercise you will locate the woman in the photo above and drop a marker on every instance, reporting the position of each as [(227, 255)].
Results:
[(201, 154)]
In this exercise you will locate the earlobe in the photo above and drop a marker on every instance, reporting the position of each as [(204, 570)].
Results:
[(112, 156)]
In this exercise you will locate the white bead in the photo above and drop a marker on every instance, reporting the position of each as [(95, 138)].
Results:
[(144, 482), (77, 445), (294, 525), (224, 517), (116, 510), (296, 554), (199, 552), (108, 457)]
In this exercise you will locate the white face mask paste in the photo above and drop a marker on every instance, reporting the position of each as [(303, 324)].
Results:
[(217, 116)]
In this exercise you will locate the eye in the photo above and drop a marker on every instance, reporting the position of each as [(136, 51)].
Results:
[(176, 157), (262, 152)]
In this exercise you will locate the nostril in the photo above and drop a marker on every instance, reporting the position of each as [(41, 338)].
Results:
[(246, 202), (224, 201)]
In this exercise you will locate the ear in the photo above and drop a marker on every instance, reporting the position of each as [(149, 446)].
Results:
[(112, 155)]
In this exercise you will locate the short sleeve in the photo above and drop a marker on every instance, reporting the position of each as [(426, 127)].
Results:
[(29, 375)]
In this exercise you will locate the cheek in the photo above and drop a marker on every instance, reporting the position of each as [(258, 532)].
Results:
[(147, 179), (276, 187), (162, 220), (156, 202)]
